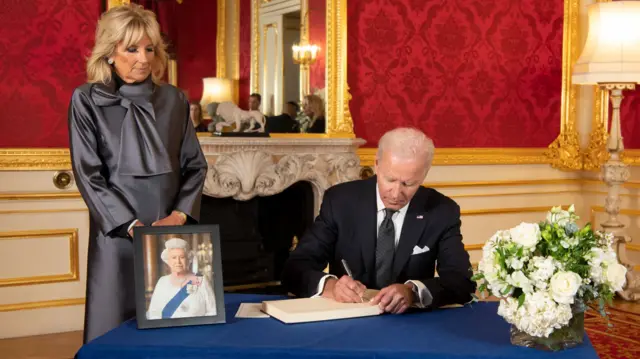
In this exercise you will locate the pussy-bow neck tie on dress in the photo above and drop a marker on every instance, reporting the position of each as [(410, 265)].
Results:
[(142, 152)]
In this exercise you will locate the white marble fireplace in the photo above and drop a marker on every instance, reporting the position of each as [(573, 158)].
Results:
[(245, 167)]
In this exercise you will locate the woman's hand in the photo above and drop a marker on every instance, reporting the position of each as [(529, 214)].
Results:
[(176, 218), (137, 224)]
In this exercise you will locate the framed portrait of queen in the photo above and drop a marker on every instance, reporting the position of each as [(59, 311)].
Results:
[(178, 274)]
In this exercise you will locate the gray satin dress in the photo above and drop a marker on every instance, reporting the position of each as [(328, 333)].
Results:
[(135, 155)]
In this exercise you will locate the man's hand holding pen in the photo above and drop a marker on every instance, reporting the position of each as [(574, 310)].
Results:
[(344, 290)]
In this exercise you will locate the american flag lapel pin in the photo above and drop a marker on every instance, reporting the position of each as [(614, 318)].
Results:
[(420, 216)]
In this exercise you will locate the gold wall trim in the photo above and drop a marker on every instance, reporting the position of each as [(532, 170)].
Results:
[(38, 195), (633, 247), (485, 211), (221, 35), (235, 51), (564, 152), (505, 194), (42, 304), (339, 121), (502, 183), (255, 46), (600, 209), (114, 3), (34, 159), (30, 211), (473, 247), (472, 156), (74, 257), (596, 154)]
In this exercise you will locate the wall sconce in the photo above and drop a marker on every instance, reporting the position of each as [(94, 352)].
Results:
[(215, 89), (305, 55)]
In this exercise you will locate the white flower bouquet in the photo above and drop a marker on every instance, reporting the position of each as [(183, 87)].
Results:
[(546, 274)]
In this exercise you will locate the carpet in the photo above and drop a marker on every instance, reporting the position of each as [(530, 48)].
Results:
[(618, 339)]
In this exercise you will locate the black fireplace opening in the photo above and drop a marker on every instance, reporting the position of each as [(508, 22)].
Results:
[(257, 235)]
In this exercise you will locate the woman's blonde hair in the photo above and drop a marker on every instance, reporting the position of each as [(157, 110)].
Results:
[(127, 24), (316, 104)]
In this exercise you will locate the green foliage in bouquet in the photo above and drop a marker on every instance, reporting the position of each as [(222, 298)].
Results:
[(546, 272)]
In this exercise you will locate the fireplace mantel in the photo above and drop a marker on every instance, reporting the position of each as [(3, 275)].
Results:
[(246, 167)]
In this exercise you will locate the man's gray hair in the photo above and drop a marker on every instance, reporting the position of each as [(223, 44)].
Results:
[(407, 143)]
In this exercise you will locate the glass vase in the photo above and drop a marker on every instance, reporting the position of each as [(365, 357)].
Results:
[(566, 337)]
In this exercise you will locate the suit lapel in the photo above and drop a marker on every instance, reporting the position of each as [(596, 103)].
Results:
[(366, 230), (412, 228)]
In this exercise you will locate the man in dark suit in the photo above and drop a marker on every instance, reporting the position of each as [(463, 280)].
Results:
[(286, 122), (392, 232)]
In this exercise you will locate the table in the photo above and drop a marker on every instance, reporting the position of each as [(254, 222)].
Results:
[(475, 331)]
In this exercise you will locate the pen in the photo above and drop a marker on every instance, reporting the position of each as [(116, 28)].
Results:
[(346, 269)]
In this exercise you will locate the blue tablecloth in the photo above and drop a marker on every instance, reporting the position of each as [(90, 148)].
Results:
[(475, 331)]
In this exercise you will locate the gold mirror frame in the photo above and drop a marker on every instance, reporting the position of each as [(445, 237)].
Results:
[(337, 114)]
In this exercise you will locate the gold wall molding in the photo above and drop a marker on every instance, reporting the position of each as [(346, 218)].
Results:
[(74, 257), (52, 210), (339, 121), (34, 159), (42, 304), (473, 247), (487, 211), (114, 3), (596, 154), (600, 209), (235, 51), (506, 194), (221, 35), (564, 152), (38, 195), (255, 46), (472, 156)]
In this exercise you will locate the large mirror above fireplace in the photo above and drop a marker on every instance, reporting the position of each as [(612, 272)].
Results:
[(317, 26)]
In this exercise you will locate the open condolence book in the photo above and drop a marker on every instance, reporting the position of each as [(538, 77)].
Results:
[(303, 310)]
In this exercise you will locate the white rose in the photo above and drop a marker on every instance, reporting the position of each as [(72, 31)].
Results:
[(526, 234), (564, 286), (519, 280), (514, 263), (616, 276)]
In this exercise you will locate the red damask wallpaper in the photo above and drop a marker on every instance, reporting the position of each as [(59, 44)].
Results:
[(43, 46), (195, 44), (244, 50), (190, 29), (470, 73), (630, 118), (317, 31)]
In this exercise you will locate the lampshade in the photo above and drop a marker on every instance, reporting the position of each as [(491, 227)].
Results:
[(216, 89), (612, 51)]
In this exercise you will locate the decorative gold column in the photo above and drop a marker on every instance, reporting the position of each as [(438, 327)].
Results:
[(221, 57), (564, 153)]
